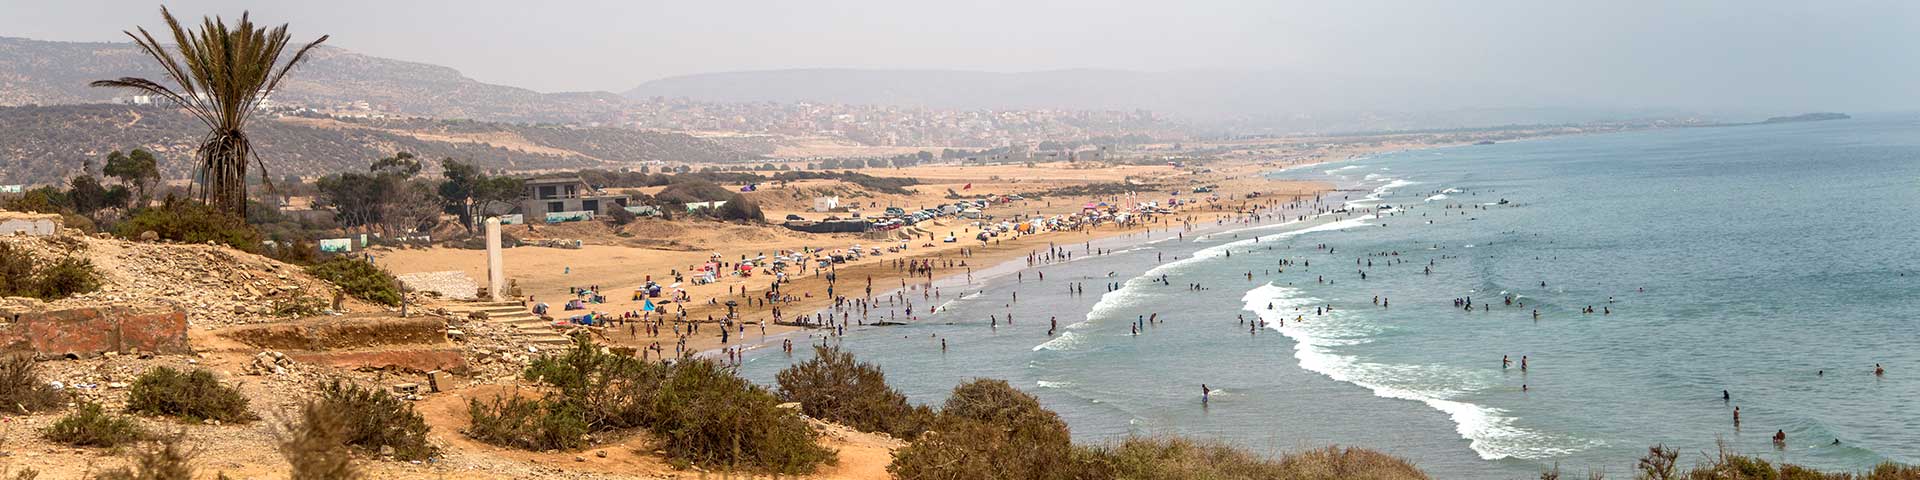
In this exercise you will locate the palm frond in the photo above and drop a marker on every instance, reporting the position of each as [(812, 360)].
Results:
[(223, 72)]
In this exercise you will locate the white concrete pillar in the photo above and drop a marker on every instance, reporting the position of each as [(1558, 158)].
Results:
[(496, 269)]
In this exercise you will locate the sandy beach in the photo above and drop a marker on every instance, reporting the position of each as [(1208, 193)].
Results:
[(611, 260)]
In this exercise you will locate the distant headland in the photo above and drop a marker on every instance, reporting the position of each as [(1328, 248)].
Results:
[(1808, 117)]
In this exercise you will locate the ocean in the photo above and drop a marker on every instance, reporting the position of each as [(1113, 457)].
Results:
[(1772, 262)]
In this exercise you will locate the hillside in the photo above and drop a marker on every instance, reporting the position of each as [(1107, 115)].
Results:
[(1240, 101), (47, 144), (34, 72)]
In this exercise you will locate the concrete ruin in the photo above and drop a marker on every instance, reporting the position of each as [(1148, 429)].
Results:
[(32, 224), (91, 331)]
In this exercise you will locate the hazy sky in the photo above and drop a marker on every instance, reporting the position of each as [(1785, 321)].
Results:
[(1689, 54)]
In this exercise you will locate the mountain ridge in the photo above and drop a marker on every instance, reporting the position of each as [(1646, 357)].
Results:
[(41, 72)]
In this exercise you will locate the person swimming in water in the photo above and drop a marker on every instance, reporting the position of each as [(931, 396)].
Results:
[(1879, 371), (1505, 361), (1206, 394)]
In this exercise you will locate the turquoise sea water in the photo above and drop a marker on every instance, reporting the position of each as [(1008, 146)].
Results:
[(1745, 259)]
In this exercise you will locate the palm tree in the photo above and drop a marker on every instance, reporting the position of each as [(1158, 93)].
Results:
[(222, 75)]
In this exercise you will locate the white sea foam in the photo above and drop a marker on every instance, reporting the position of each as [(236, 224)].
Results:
[(1491, 434), (1391, 185), (1066, 341), (1047, 384), (1373, 176), (1437, 197), (1340, 169)]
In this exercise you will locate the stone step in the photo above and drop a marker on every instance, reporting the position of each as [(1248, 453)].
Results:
[(535, 324), (548, 339)]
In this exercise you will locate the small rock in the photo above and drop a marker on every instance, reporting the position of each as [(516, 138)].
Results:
[(578, 458), (601, 454)]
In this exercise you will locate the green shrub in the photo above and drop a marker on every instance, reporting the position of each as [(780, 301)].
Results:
[(526, 423), (19, 277), (834, 387), (988, 429), (195, 395), (189, 221), (21, 388), (706, 415), (16, 272), (67, 277), (611, 390), (360, 279), (91, 426), (701, 413), (371, 419)]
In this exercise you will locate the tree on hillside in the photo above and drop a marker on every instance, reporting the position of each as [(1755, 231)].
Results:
[(88, 196), (467, 188), (401, 163), (387, 196), (222, 75), (138, 169)]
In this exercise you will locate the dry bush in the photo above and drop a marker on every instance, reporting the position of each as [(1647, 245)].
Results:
[(1730, 466), (316, 446), (834, 387), (1180, 458), (92, 426), (21, 388), (158, 460), (1659, 463), (195, 395), (372, 420), (1350, 463)]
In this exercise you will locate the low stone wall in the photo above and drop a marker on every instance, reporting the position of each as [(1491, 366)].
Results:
[(95, 330), (342, 333)]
